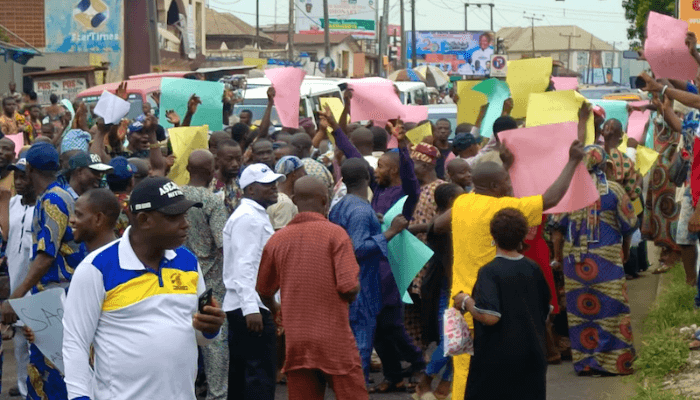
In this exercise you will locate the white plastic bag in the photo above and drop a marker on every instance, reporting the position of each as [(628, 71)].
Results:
[(456, 333)]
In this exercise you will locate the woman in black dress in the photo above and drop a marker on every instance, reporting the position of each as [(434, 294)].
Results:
[(510, 304)]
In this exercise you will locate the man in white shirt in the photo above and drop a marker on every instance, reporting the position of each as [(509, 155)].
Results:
[(18, 253), (136, 300), (481, 58), (252, 332)]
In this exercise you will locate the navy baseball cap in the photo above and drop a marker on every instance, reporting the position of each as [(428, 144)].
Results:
[(85, 160), (463, 141), (43, 156), (160, 194), (138, 123), (123, 169), (20, 165)]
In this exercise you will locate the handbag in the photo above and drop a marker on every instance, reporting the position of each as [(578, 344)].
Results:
[(456, 334), (678, 170)]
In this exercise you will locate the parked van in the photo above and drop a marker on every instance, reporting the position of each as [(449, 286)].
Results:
[(414, 93), (139, 91), (255, 100)]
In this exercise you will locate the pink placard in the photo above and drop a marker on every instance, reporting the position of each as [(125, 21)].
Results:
[(374, 99), (541, 152), (665, 48), (18, 139), (287, 84), (414, 113), (636, 124), (564, 83)]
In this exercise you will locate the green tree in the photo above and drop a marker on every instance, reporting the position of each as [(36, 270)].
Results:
[(636, 12)]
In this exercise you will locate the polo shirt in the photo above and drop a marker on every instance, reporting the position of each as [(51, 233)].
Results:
[(140, 322)]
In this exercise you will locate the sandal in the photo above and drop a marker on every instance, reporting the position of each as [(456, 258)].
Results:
[(662, 269), (694, 345), (388, 387)]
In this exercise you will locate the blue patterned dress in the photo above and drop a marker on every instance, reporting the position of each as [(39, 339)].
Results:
[(596, 289), (52, 235)]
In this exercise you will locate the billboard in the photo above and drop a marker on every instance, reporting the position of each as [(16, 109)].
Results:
[(455, 52), (355, 17), (689, 11), (64, 88), (89, 26)]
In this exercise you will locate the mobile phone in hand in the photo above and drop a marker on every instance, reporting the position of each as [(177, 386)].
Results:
[(205, 299)]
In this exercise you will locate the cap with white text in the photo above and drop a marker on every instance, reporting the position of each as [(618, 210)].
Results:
[(160, 194)]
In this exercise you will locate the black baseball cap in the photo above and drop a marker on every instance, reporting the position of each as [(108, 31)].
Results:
[(160, 194)]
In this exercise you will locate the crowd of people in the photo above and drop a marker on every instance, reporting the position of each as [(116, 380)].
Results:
[(271, 264)]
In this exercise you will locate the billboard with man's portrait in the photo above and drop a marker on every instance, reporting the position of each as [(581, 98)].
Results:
[(456, 53)]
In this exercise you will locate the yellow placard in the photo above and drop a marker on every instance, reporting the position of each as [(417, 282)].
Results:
[(637, 205), (259, 63), (184, 141), (525, 77), (417, 134), (646, 158), (336, 107), (623, 144), (470, 102), (557, 107)]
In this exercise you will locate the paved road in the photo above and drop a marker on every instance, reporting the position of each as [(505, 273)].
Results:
[(562, 382)]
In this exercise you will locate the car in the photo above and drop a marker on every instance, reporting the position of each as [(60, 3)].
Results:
[(139, 91), (610, 93)]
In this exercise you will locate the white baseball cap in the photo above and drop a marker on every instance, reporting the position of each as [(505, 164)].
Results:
[(259, 173)]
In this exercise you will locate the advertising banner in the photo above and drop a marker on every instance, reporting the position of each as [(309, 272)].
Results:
[(689, 11), (456, 53), (356, 17), (89, 26), (67, 88)]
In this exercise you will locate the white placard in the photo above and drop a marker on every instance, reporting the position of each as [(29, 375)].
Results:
[(111, 107), (43, 313)]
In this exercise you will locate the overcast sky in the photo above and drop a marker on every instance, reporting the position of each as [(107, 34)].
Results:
[(603, 18)]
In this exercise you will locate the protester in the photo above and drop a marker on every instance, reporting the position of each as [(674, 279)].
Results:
[(225, 182), (589, 305), (85, 172), (356, 216), (510, 305), (7, 155), (424, 158), (471, 215), (13, 93), (460, 173), (465, 145), (252, 366), (262, 153), (435, 296), (284, 210), (157, 321), (19, 212), (55, 255), (393, 179), (205, 241), (121, 182), (441, 134), (11, 122), (301, 147), (96, 213), (312, 262), (661, 211)]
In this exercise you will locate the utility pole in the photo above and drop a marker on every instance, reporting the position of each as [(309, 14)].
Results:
[(403, 37), (590, 62), (290, 32), (466, 6), (326, 33), (568, 51), (533, 19), (385, 31), (257, 24), (413, 34), (381, 46)]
